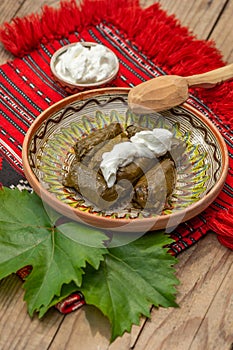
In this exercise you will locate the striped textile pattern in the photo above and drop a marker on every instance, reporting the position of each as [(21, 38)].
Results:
[(27, 88)]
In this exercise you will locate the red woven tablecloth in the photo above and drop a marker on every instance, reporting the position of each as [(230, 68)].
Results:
[(148, 43)]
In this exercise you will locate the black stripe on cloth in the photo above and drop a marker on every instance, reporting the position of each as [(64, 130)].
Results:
[(33, 86), (131, 55), (23, 132), (185, 244), (219, 125), (44, 77), (17, 115), (123, 54), (227, 191), (229, 188), (192, 239), (220, 206), (194, 101), (121, 62), (20, 91), (46, 51), (55, 87), (13, 140), (16, 103), (228, 142), (202, 218), (64, 41)]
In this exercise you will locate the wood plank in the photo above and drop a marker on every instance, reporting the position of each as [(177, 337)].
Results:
[(86, 328), (17, 329), (216, 327), (23, 8), (202, 18), (9, 9), (223, 33), (89, 328), (201, 276), (29, 7), (198, 15)]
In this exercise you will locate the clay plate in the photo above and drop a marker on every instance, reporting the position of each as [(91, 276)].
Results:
[(48, 151)]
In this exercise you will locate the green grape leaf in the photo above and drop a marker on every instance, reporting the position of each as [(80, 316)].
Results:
[(66, 291), (58, 255), (122, 281), (131, 279)]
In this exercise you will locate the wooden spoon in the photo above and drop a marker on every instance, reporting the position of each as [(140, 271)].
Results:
[(168, 91)]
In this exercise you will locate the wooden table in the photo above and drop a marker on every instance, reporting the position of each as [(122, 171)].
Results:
[(205, 294)]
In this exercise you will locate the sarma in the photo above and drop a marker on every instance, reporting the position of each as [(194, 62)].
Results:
[(131, 130), (144, 184), (95, 160), (133, 171), (86, 144), (92, 186), (153, 189)]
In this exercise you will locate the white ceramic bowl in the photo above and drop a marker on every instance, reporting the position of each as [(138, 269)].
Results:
[(72, 88)]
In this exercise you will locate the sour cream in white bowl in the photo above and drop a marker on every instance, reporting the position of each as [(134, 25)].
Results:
[(84, 65)]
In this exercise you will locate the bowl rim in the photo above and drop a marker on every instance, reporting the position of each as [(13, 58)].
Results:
[(64, 48), (118, 224)]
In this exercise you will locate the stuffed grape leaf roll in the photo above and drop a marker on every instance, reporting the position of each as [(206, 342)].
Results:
[(92, 186), (97, 137), (154, 188), (133, 171), (107, 146), (131, 130)]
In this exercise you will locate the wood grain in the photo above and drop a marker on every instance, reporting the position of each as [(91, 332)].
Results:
[(9, 9), (91, 330), (204, 319), (16, 327), (222, 32), (201, 272), (200, 15), (208, 19), (215, 330)]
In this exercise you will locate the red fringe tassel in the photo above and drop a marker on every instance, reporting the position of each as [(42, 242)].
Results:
[(56, 23), (222, 224), (183, 55)]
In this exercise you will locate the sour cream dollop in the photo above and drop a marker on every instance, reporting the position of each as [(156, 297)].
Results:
[(80, 64), (147, 144), (158, 140)]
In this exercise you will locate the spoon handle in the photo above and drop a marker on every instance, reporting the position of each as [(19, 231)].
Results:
[(211, 78)]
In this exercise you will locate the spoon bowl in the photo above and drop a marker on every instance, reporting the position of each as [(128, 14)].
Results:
[(167, 91), (158, 94)]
